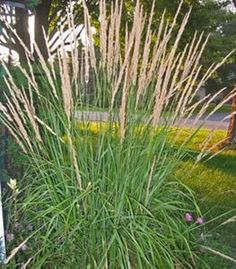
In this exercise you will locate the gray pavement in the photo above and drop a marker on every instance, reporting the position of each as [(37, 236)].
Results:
[(216, 121)]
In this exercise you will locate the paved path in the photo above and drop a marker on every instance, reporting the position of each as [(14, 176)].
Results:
[(213, 122)]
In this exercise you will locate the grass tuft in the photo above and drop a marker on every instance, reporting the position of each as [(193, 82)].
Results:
[(106, 195)]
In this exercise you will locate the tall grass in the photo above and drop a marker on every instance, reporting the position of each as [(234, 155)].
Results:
[(103, 195)]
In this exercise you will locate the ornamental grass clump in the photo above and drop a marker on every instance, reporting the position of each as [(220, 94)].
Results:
[(106, 197)]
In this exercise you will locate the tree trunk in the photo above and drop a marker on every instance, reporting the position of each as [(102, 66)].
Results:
[(232, 125), (231, 135), (42, 22), (22, 30)]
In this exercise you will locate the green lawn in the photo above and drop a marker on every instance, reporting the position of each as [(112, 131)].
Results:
[(214, 182), (226, 108)]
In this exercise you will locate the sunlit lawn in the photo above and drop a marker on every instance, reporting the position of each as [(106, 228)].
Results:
[(214, 182)]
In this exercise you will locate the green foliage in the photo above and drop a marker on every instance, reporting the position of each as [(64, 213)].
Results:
[(33, 3), (2, 72), (214, 184), (106, 197), (116, 213), (208, 16)]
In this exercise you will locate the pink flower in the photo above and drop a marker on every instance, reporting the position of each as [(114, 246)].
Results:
[(188, 217), (17, 226), (30, 227), (24, 247), (9, 237), (200, 221)]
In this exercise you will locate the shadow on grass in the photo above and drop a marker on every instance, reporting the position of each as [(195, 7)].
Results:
[(224, 162)]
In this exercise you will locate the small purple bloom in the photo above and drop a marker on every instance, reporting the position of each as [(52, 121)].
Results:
[(17, 226), (188, 217), (9, 237), (200, 221), (24, 247), (30, 227)]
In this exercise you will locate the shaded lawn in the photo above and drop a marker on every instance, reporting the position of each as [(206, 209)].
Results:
[(226, 108), (214, 183), (214, 180)]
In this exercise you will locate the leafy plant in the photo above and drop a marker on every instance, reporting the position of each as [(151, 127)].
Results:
[(33, 3), (108, 198)]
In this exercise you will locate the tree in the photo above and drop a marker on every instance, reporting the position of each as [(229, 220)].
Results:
[(21, 27), (46, 17), (204, 13), (42, 11), (231, 135)]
